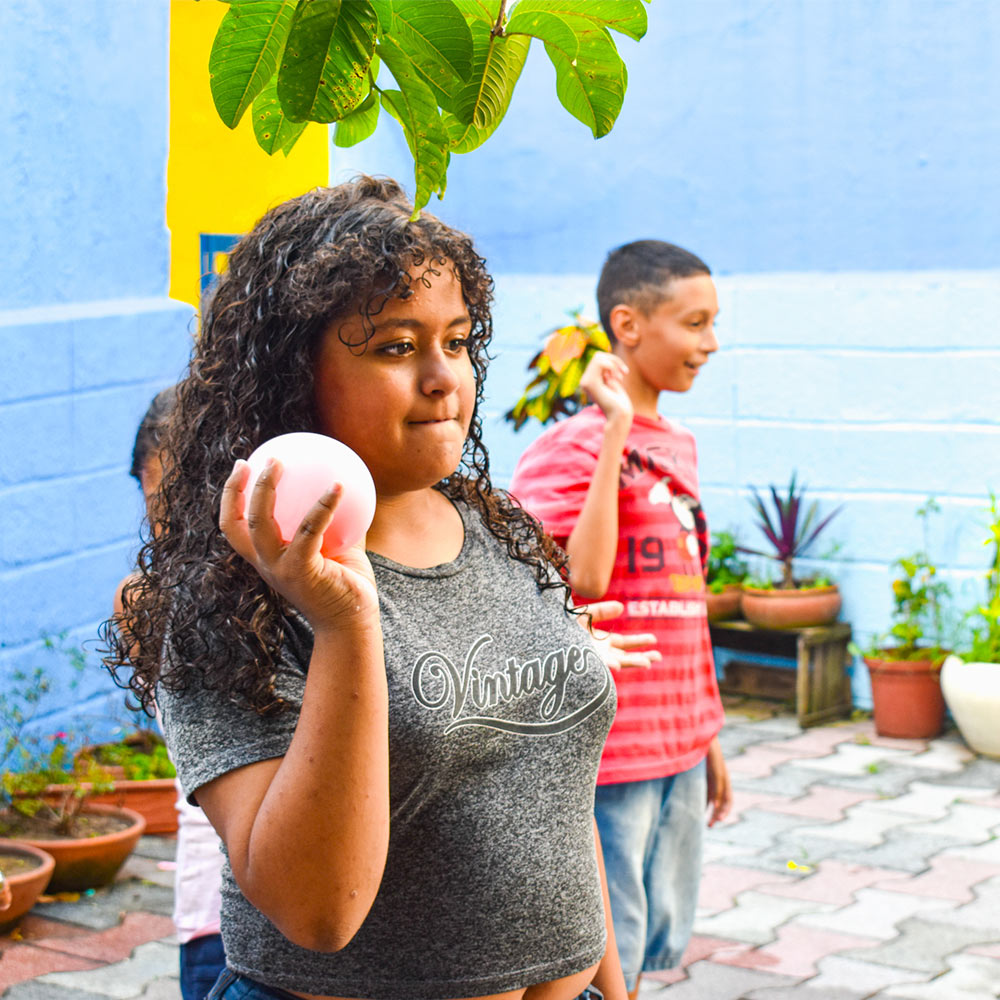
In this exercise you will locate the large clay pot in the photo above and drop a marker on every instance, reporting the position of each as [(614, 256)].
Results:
[(907, 697), (723, 606), (153, 798), (972, 691), (790, 608), (90, 862), (27, 886)]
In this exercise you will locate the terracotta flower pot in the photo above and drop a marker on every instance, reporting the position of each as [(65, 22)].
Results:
[(26, 886), (790, 608), (907, 697), (153, 798), (721, 607), (972, 691), (90, 862)]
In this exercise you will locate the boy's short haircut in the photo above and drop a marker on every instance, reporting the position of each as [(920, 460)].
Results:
[(639, 274)]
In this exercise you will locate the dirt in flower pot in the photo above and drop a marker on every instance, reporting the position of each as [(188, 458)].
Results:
[(17, 864), (15, 825)]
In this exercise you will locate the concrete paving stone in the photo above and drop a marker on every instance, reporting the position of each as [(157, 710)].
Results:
[(876, 913), (716, 850), (911, 746), (855, 759), (721, 884), (116, 943), (861, 825), (795, 951), (105, 908), (777, 727), (819, 740), (838, 972), (923, 945), (887, 780), (969, 978), (146, 870), (735, 739), (745, 798), (123, 980), (160, 848), (754, 917), (989, 950), (943, 757), (756, 828), (984, 910), (759, 761), (803, 991), (931, 801), (711, 981), (33, 928), (900, 850), (983, 772), (966, 822), (32, 989), (820, 802), (790, 780), (19, 962), (162, 989), (779, 858), (831, 882), (948, 878), (987, 853)]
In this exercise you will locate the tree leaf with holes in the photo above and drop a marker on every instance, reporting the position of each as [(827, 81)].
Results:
[(245, 53), (359, 124), (272, 130), (324, 71), (416, 110), (625, 16)]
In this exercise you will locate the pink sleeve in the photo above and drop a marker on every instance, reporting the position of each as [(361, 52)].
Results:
[(551, 481)]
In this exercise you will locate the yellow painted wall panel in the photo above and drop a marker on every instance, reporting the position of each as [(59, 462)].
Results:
[(218, 179)]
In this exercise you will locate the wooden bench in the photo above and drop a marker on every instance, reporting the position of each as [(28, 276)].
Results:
[(818, 684)]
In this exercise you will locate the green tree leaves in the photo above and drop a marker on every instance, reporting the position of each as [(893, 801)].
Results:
[(454, 64)]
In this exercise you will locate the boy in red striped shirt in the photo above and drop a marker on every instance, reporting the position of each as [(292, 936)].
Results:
[(617, 485)]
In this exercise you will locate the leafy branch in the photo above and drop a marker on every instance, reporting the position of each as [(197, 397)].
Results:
[(454, 65)]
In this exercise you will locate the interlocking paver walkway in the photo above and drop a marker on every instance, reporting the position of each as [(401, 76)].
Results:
[(855, 868)]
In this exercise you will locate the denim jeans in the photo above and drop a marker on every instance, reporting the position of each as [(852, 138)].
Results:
[(202, 959), (234, 986), (651, 836)]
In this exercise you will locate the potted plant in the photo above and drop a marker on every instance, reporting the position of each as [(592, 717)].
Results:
[(791, 528), (971, 681), (905, 663), (554, 391), (27, 871), (44, 796), (724, 577), (143, 777)]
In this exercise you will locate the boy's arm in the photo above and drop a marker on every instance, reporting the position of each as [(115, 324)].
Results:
[(593, 542), (720, 788)]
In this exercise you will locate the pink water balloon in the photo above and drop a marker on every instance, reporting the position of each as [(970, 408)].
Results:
[(312, 463)]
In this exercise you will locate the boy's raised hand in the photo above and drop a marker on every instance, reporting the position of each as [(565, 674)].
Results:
[(604, 383)]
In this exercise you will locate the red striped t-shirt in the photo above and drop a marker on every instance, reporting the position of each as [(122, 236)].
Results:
[(668, 713)]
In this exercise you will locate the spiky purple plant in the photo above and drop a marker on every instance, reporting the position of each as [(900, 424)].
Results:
[(789, 534)]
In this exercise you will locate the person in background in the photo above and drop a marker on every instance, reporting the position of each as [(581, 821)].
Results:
[(198, 878), (617, 485)]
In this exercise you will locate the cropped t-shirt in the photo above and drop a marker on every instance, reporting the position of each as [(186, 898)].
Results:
[(499, 705)]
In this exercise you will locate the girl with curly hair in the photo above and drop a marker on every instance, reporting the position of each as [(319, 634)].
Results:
[(398, 746)]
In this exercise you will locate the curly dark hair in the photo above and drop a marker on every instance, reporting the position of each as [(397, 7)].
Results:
[(194, 610)]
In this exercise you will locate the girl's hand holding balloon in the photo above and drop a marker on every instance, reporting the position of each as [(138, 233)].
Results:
[(332, 590)]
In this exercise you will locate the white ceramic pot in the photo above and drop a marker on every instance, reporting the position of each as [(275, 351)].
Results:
[(972, 693)]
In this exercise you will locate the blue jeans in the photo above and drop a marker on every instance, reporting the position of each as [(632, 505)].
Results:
[(202, 959), (651, 836), (234, 986)]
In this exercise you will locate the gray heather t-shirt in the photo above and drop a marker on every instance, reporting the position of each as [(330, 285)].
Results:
[(498, 709)]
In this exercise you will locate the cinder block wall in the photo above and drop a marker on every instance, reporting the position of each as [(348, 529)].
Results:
[(87, 334)]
